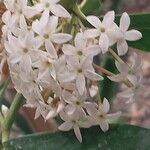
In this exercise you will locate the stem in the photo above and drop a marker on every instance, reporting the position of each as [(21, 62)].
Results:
[(78, 12), (82, 4), (2, 91), (115, 56), (8, 121), (103, 70), (108, 73)]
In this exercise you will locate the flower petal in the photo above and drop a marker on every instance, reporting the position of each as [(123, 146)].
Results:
[(126, 94), (66, 126), (80, 83), (95, 21), (80, 41), (64, 116), (117, 78), (93, 76), (52, 113), (133, 35), (122, 47), (109, 19), (93, 50), (78, 133), (50, 48), (104, 43), (68, 49), (52, 23), (103, 125), (44, 19), (91, 33), (106, 106), (124, 22), (59, 11), (122, 67), (60, 38), (114, 115)]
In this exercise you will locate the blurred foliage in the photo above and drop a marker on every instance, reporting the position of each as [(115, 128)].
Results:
[(90, 8), (119, 137)]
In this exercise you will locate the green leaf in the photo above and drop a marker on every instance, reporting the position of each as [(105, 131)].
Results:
[(140, 22), (119, 137), (68, 4), (115, 5), (90, 7)]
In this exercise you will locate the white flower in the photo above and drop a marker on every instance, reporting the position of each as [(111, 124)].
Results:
[(132, 93), (62, 72), (20, 8), (46, 29), (21, 50), (56, 105), (82, 70), (81, 49), (107, 30), (52, 6), (45, 64), (128, 72), (46, 81), (100, 116), (10, 22), (75, 101), (74, 121), (131, 35)]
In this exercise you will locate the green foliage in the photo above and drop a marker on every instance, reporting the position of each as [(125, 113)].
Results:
[(119, 137), (90, 7), (68, 4)]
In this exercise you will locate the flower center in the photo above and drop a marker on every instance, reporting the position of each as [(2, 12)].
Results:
[(47, 5), (25, 50), (101, 116), (46, 36), (48, 63), (80, 70), (73, 121), (79, 53), (78, 103), (102, 29)]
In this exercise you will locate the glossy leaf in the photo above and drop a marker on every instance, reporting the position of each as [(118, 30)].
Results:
[(68, 4), (90, 7), (119, 137)]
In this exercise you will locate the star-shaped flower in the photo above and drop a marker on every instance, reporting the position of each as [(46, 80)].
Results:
[(81, 71), (46, 30), (100, 116), (74, 121), (127, 71), (53, 7), (81, 49), (129, 35), (107, 30)]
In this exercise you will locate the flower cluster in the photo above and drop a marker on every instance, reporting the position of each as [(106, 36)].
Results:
[(54, 69)]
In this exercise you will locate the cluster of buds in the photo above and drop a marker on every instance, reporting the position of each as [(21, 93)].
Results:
[(51, 62)]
